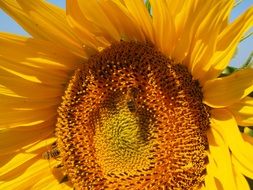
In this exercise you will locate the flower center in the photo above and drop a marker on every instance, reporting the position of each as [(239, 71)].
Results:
[(133, 119)]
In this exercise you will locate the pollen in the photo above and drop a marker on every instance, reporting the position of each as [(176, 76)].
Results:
[(131, 118)]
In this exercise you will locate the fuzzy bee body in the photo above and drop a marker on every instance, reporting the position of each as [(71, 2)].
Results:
[(57, 169), (131, 99), (131, 105), (53, 153)]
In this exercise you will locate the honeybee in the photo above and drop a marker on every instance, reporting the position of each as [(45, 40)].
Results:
[(52, 153), (131, 96), (64, 179)]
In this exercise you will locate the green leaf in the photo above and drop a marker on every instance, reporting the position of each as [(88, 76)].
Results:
[(249, 62), (249, 130), (229, 70), (246, 36), (148, 5), (237, 3)]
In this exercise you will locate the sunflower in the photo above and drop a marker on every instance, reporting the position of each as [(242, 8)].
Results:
[(107, 96)]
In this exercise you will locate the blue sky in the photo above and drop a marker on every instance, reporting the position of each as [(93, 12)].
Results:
[(245, 48)]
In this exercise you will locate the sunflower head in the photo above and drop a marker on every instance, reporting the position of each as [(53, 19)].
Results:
[(128, 99), (133, 119)]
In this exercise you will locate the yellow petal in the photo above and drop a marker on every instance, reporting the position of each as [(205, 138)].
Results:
[(33, 74), (221, 164), (37, 66), (49, 182), (93, 12), (33, 81), (16, 165), (139, 13), (14, 139), (187, 22), (126, 26), (41, 146), (43, 20), (91, 36), (240, 180), (30, 175), (27, 113), (27, 169), (9, 103), (205, 38), (224, 122), (15, 117), (91, 24), (164, 27), (242, 167), (225, 91), (49, 57), (211, 178), (227, 44), (23, 87), (243, 111), (23, 157), (179, 11)]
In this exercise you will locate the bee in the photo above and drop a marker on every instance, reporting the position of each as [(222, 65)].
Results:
[(131, 106), (64, 179), (131, 97), (53, 153), (59, 173)]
